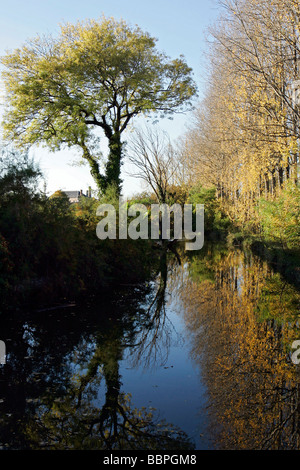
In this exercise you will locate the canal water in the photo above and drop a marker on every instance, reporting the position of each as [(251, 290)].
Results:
[(200, 357)]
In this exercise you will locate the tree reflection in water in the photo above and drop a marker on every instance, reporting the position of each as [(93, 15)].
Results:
[(56, 399), (242, 319), (155, 333), (61, 387)]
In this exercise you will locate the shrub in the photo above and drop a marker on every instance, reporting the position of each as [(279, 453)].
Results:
[(280, 217)]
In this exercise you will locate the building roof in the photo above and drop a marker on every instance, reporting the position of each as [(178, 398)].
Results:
[(73, 194)]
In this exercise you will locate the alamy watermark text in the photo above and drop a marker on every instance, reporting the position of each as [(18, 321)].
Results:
[(133, 222)]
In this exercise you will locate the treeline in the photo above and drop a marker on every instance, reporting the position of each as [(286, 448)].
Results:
[(49, 250), (244, 139)]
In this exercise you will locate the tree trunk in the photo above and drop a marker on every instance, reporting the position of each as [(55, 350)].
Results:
[(95, 172), (94, 168), (280, 176), (113, 165)]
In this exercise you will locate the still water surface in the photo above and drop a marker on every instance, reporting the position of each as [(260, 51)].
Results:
[(198, 358)]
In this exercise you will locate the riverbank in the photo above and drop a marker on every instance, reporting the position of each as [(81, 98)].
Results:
[(286, 261)]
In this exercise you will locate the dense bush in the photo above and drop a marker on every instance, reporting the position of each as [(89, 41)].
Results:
[(280, 217), (215, 220), (48, 247)]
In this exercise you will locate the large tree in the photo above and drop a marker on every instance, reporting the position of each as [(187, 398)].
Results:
[(95, 75)]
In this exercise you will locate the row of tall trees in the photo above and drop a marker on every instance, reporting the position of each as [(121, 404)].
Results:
[(244, 139)]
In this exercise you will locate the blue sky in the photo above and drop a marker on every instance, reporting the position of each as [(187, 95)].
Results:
[(180, 27)]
